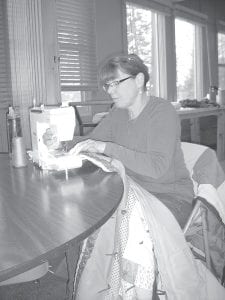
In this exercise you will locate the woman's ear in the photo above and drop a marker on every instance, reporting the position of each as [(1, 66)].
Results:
[(140, 79)]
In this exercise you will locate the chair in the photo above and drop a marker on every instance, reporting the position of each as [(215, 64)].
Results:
[(205, 229), (90, 124)]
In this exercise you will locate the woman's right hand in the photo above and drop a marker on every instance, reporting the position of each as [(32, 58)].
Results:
[(88, 146)]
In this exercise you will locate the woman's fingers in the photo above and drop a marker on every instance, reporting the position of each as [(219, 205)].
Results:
[(88, 146), (82, 146)]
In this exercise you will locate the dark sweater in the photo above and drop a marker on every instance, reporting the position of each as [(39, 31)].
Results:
[(150, 149)]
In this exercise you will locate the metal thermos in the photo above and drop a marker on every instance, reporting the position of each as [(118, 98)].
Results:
[(13, 130), (16, 145)]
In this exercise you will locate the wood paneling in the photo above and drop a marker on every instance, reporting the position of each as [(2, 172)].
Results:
[(3, 131)]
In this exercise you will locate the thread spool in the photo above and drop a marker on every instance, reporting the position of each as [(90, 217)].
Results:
[(212, 94), (19, 158), (221, 97)]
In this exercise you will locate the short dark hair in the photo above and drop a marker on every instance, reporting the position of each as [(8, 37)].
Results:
[(130, 64)]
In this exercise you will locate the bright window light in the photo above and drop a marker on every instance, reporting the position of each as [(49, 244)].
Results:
[(139, 32), (185, 56), (221, 60), (188, 60)]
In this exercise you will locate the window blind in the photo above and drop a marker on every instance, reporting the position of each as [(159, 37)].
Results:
[(5, 94), (76, 44)]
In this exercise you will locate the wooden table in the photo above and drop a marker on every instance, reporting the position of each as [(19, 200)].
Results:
[(195, 113), (42, 213)]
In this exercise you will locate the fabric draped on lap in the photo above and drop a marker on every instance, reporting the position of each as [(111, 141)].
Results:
[(209, 181), (130, 258), (114, 271), (180, 208)]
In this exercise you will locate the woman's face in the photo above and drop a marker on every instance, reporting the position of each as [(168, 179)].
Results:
[(123, 94)]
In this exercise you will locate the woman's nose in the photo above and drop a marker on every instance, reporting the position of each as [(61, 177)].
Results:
[(111, 89)]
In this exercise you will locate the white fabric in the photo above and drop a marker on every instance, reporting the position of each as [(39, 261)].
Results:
[(215, 197), (192, 153), (209, 193), (136, 250), (221, 192), (181, 276), (47, 161), (176, 265), (214, 290)]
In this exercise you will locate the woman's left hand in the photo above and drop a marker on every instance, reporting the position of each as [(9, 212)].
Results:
[(88, 146)]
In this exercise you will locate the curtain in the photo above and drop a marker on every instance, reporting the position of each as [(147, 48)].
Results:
[(5, 86), (26, 57)]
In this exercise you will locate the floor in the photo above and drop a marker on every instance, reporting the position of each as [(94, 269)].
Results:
[(50, 287)]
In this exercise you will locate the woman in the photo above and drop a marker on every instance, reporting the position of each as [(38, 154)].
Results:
[(143, 132)]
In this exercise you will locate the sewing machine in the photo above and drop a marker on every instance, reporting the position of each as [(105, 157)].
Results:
[(59, 121)]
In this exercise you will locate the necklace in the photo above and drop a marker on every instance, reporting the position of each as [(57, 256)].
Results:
[(133, 114)]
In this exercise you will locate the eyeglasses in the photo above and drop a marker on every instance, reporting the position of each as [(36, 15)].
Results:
[(114, 83)]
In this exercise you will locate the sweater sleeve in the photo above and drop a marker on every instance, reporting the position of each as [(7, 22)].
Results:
[(161, 135), (103, 131)]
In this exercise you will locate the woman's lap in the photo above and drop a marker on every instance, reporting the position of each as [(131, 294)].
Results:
[(180, 208)]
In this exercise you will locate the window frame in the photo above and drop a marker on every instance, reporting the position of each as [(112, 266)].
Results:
[(158, 34)]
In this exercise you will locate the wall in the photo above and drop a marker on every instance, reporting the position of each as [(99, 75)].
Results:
[(3, 130), (50, 51), (214, 9), (109, 27), (109, 33)]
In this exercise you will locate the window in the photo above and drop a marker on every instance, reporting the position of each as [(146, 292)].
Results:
[(221, 60), (145, 36), (77, 48), (188, 60)]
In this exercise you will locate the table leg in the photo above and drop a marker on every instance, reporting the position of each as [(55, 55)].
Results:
[(79, 120), (220, 137), (72, 257), (195, 131)]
